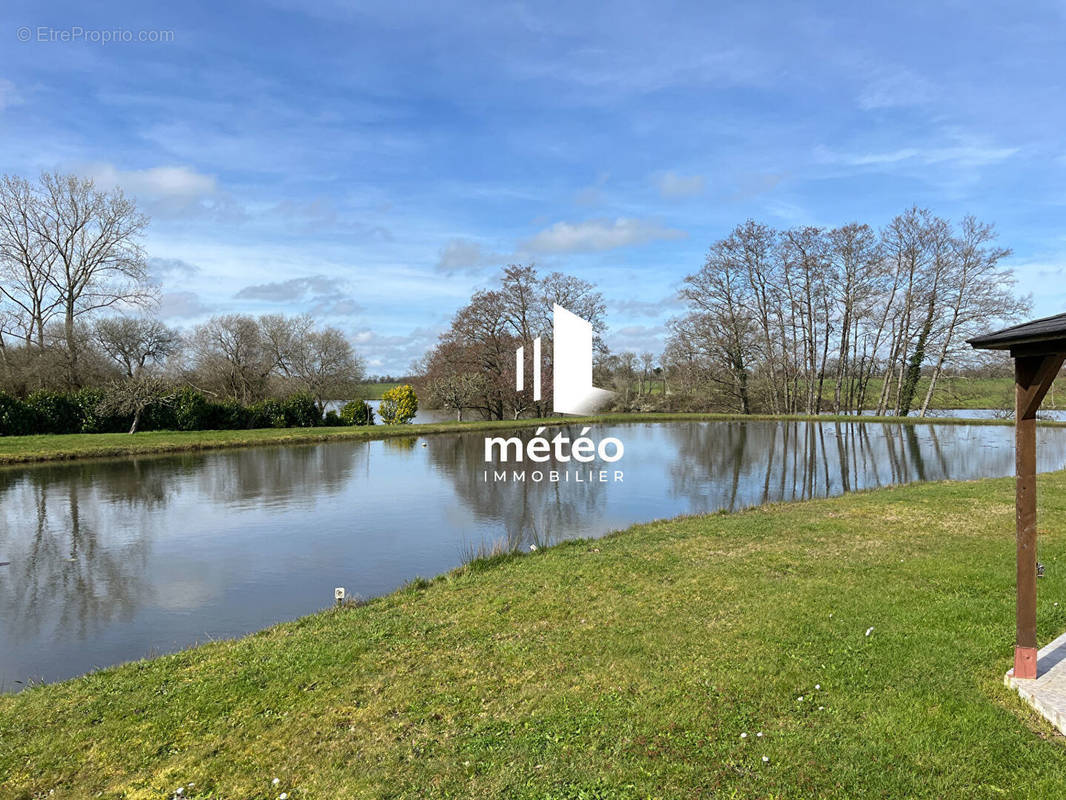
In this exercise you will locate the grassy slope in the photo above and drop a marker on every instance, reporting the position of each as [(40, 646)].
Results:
[(373, 391), (952, 392), (24, 449), (625, 667)]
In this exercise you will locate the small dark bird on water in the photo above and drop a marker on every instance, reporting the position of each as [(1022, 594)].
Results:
[(1039, 570)]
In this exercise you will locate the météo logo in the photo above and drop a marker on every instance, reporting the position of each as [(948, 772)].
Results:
[(572, 393), (572, 389)]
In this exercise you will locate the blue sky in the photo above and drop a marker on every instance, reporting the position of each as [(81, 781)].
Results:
[(375, 163)]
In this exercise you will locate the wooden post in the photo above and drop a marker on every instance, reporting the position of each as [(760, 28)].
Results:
[(1025, 513), (1033, 376)]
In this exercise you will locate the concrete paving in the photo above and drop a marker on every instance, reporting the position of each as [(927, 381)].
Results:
[(1047, 691)]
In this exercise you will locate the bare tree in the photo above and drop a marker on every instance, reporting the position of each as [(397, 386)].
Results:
[(134, 394), (856, 254), (321, 363), (26, 264), (456, 391), (721, 326), (94, 238), (976, 290), (233, 358), (135, 342), (485, 334), (647, 368)]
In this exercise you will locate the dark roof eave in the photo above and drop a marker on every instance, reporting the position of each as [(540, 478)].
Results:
[(989, 342), (1037, 331)]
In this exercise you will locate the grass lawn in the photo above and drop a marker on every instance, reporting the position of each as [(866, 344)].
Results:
[(24, 449), (963, 392), (624, 667), (373, 391)]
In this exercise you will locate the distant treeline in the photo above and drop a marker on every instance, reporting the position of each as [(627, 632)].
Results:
[(801, 320)]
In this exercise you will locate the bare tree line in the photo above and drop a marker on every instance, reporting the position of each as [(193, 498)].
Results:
[(67, 250), (804, 320), (76, 303)]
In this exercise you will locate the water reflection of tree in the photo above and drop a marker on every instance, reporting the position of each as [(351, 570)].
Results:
[(528, 512), (294, 474), (735, 465), (79, 536), (67, 576)]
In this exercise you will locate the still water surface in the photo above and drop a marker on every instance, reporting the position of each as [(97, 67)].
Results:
[(116, 560)]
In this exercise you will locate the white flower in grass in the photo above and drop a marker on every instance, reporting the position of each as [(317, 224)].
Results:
[(759, 734), (179, 790), (817, 686), (869, 630), (744, 735), (800, 698), (283, 796), (821, 708), (765, 759), (276, 781)]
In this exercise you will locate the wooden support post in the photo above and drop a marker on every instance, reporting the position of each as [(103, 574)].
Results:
[(1033, 376), (1025, 512)]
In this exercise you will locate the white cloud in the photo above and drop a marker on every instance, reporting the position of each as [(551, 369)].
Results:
[(168, 191), (963, 155), (327, 296), (160, 183), (163, 269), (598, 234), (181, 305), (8, 95), (638, 338), (465, 254), (674, 187), (399, 352), (892, 88)]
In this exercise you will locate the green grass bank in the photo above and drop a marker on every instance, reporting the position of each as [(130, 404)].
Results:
[(374, 391), (865, 637), (26, 449)]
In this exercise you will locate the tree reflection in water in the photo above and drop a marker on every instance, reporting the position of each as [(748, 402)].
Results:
[(529, 512), (79, 536), (733, 465)]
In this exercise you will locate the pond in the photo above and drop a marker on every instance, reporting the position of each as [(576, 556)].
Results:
[(117, 560)]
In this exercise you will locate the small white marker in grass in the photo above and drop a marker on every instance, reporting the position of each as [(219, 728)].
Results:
[(869, 631)]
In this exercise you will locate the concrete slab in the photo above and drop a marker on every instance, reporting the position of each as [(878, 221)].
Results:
[(1047, 691)]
